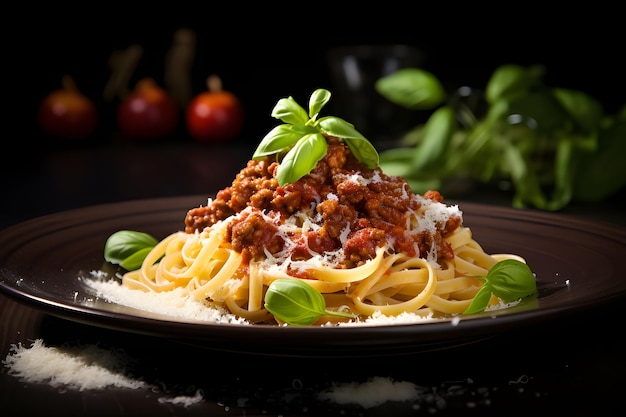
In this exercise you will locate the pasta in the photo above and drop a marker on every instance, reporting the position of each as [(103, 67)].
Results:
[(359, 237)]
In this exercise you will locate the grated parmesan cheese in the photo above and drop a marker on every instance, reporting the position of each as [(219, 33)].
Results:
[(172, 303), (379, 319), (83, 368), (184, 400), (89, 367), (372, 393)]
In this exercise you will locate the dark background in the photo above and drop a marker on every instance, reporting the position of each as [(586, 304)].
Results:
[(262, 53)]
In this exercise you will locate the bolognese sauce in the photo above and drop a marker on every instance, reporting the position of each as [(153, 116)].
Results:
[(354, 209)]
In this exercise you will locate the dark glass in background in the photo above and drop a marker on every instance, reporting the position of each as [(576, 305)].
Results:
[(354, 70)]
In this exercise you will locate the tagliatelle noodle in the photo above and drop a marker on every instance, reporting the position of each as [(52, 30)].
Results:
[(392, 307), (207, 267)]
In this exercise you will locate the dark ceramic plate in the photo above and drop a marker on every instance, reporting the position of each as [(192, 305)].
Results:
[(578, 265)]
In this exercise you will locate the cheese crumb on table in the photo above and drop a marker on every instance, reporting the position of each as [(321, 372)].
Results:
[(81, 368)]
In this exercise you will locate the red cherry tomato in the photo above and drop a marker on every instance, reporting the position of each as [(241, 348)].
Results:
[(148, 112), (67, 113), (214, 115)]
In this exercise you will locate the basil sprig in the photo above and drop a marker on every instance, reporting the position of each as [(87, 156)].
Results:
[(297, 303), (128, 248), (555, 145), (300, 142), (510, 280)]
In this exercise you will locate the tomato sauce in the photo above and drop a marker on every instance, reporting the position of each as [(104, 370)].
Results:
[(354, 209)]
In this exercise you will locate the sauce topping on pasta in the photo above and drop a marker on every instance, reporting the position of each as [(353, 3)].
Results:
[(341, 207)]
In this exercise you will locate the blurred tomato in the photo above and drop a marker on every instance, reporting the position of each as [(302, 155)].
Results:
[(214, 115), (67, 113), (148, 112)]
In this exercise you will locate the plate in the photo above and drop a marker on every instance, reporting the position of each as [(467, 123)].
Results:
[(578, 265)]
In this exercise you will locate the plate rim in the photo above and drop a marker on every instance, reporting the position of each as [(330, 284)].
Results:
[(438, 334)]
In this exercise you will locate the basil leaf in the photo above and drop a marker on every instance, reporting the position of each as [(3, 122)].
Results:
[(360, 147), (412, 88), (124, 244), (480, 301), (295, 302), (301, 159), (586, 111), (436, 136), (508, 280), (511, 280), (364, 151), (135, 260), (289, 111), (318, 99), (278, 139), (335, 126), (509, 80), (527, 187), (563, 174)]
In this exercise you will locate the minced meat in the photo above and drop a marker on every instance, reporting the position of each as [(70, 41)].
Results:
[(357, 209)]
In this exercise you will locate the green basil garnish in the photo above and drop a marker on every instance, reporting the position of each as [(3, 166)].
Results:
[(128, 248), (510, 280), (297, 303), (300, 142)]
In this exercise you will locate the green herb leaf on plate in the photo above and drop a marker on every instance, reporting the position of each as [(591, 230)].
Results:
[(128, 248), (295, 302), (509, 280)]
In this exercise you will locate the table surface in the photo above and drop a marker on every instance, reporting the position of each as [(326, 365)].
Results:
[(575, 368)]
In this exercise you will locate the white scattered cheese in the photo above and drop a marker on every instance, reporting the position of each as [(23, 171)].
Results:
[(372, 393), (379, 319), (82, 368), (502, 305), (89, 367), (172, 303), (184, 400), (86, 367)]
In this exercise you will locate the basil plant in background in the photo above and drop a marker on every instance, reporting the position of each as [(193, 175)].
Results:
[(553, 145)]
